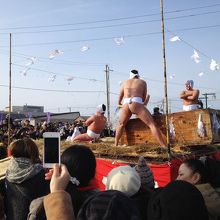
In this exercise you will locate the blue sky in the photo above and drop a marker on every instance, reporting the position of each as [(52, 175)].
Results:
[(39, 27)]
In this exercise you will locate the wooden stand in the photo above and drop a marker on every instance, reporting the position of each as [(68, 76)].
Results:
[(183, 129)]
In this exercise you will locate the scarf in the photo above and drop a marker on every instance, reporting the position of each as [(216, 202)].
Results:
[(21, 169)]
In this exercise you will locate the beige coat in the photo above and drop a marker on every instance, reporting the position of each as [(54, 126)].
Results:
[(212, 199), (58, 205)]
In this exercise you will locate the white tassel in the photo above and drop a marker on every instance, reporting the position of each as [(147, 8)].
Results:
[(201, 127), (172, 130), (216, 124)]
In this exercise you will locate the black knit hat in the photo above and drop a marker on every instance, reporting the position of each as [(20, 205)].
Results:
[(108, 205), (179, 200)]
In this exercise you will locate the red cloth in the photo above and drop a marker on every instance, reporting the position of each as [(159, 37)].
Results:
[(163, 173)]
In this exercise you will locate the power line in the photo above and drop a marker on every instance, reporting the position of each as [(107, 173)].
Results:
[(50, 72), (110, 20), (161, 81), (110, 38), (52, 90), (110, 26)]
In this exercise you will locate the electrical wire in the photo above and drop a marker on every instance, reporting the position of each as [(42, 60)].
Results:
[(109, 26), (110, 20), (46, 71)]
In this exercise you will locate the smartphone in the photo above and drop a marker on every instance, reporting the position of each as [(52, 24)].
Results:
[(51, 149)]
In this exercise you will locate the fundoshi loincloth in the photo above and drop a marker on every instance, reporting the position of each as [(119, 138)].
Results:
[(133, 99), (190, 107), (92, 134)]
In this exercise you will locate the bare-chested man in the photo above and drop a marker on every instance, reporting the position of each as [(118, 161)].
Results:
[(190, 96), (95, 123), (134, 92)]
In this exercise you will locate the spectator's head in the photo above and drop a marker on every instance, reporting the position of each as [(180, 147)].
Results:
[(124, 179), (110, 204), (156, 111), (26, 148), (178, 200), (193, 171), (145, 173), (80, 162), (26, 122)]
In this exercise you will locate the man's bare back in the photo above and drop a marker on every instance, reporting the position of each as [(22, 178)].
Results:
[(135, 88), (96, 123)]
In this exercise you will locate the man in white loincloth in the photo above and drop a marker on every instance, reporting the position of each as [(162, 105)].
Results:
[(190, 96), (134, 92), (96, 123)]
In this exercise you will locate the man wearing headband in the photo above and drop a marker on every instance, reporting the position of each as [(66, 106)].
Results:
[(134, 95), (190, 96), (96, 123)]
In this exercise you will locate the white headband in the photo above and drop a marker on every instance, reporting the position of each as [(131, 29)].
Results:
[(100, 109), (132, 75), (190, 82)]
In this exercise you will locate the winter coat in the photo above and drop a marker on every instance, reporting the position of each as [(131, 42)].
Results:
[(24, 182), (58, 205), (212, 200)]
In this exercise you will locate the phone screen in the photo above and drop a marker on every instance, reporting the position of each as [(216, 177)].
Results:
[(51, 150)]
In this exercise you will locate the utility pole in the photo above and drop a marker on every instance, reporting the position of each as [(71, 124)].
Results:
[(107, 70), (165, 78), (206, 98), (9, 109)]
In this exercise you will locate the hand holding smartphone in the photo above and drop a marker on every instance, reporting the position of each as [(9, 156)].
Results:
[(51, 149)]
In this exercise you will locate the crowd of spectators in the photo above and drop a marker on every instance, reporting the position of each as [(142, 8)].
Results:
[(23, 128), (68, 191)]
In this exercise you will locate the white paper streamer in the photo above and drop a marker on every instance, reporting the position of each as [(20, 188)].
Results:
[(119, 40), (24, 72), (214, 66), (201, 74), (52, 78), (174, 39), (201, 127), (55, 53), (216, 124), (195, 57), (172, 76), (30, 61), (69, 79), (172, 130), (84, 48)]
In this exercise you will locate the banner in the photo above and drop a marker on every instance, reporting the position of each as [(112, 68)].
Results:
[(48, 117)]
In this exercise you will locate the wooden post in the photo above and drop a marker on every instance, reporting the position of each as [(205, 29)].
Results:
[(165, 78), (107, 92), (9, 109)]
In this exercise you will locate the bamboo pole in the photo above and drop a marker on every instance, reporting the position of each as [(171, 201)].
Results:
[(165, 78), (9, 108)]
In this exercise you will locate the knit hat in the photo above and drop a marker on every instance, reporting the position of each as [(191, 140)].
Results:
[(145, 173), (101, 108), (178, 200), (106, 205), (124, 179)]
